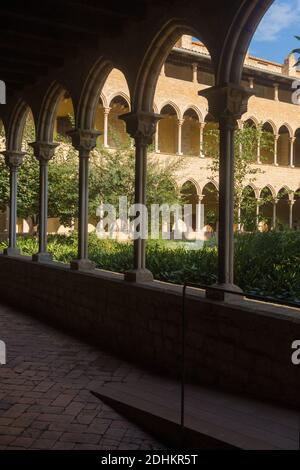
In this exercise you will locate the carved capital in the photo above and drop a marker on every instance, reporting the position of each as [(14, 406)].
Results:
[(43, 151), (14, 158), (84, 140), (227, 102), (141, 126)]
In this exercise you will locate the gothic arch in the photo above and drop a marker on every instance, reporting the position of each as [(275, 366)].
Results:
[(16, 125)]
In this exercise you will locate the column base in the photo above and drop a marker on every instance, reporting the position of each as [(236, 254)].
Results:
[(42, 257), (221, 295), (11, 251), (82, 265), (138, 276)]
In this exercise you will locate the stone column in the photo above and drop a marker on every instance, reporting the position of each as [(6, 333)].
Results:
[(251, 83), (275, 202), (239, 215), (291, 205), (13, 160), (43, 151), (179, 140), (202, 126), (141, 126), (84, 141), (258, 202), (292, 160), (156, 140), (199, 215), (258, 151), (227, 104), (105, 126), (276, 137), (276, 92), (195, 73)]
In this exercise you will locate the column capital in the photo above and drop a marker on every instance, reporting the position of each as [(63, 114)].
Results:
[(84, 140), (106, 110), (141, 126), (13, 158), (43, 151), (227, 102), (292, 140), (180, 122)]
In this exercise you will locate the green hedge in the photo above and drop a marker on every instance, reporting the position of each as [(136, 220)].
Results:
[(266, 264)]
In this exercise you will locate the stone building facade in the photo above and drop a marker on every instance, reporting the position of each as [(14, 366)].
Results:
[(182, 132)]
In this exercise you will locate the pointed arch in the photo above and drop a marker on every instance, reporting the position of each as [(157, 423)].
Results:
[(195, 109), (16, 125), (172, 105), (116, 94), (270, 188)]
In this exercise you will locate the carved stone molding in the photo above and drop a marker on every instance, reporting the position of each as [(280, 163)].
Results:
[(13, 158), (141, 126), (227, 102), (84, 140), (43, 151)]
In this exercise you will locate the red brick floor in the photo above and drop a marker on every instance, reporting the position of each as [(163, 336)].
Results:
[(45, 399)]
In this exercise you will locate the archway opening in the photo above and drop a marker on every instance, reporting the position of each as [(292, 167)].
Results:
[(189, 195), (210, 138), (267, 151), (168, 130), (283, 146), (191, 133), (297, 149), (117, 136), (211, 207), (248, 210), (64, 117), (282, 213), (266, 209)]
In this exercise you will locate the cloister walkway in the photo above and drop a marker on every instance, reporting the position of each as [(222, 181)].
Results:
[(45, 399)]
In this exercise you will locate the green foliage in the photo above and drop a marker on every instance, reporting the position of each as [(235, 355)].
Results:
[(245, 148), (266, 264)]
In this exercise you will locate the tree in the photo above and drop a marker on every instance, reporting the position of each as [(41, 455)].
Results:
[(112, 175), (245, 147)]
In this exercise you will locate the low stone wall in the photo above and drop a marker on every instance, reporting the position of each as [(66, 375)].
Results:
[(243, 346)]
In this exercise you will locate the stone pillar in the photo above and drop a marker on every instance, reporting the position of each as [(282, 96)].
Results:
[(276, 137), (292, 160), (258, 151), (13, 160), (199, 215), (275, 202), (195, 73), (202, 126), (156, 140), (84, 141), (239, 215), (105, 126), (141, 126), (258, 202), (43, 151), (291, 205), (251, 83), (227, 104), (179, 140), (276, 92)]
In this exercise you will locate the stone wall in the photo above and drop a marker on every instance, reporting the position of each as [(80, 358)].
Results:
[(244, 346)]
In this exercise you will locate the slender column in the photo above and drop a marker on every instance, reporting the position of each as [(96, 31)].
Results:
[(43, 151), (292, 142), (251, 83), (258, 202), (195, 73), (275, 202), (276, 92), (258, 151), (239, 215), (141, 126), (227, 104), (179, 140), (84, 140), (105, 126), (201, 127), (199, 215), (291, 205), (276, 137), (13, 160), (156, 140)]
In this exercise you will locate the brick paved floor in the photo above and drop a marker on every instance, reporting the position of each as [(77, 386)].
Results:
[(45, 401)]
